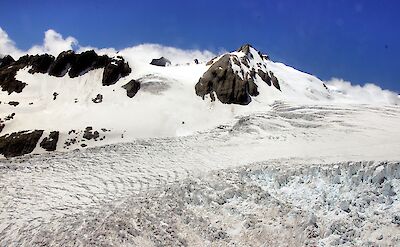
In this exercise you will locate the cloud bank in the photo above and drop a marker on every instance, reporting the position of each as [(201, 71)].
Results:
[(54, 43), (369, 93)]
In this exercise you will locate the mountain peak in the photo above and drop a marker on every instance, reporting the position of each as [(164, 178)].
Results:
[(245, 48)]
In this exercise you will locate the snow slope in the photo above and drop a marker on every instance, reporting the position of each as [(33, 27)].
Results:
[(166, 104)]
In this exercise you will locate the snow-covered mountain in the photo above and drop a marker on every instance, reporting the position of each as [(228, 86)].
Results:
[(78, 100)]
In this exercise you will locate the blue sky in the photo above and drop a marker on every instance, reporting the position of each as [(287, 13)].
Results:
[(358, 41)]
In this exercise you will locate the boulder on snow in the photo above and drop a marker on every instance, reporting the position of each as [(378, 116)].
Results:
[(228, 86), (19, 143), (88, 134), (162, 61), (50, 143), (98, 99), (132, 87)]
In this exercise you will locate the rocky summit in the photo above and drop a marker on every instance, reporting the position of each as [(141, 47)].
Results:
[(233, 77)]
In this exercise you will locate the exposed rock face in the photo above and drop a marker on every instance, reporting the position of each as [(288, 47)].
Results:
[(7, 78), (275, 81), (132, 87), (229, 87), (66, 62), (39, 63), (62, 63), (162, 61), (115, 69), (19, 143), (6, 61), (50, 143), (85, 62), (265, 77), (234, 76)]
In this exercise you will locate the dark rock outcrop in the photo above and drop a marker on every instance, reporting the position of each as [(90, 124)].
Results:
[(13, 103), (88, 134), (62, 63), (228, 86), (265, 77), (85, 62), (8, 82), (132, 87), (50, 143), (115, 69), (19, 143), (6, 61), (233, 77), (39, 63), (275, 81), (66, 62), (162, 61)]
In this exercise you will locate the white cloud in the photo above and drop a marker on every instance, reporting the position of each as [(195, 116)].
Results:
[(369, 93), (144, 53), (7, 46), (54, 43)]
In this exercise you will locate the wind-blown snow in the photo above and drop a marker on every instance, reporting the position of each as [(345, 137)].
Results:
[(367, 94)]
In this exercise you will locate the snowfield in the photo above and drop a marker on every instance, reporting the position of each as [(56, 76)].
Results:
[(292, 175)]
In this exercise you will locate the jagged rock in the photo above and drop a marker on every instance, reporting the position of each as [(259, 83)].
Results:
[(7, 78), (55, 94), (274, 81), (132, 87), (40, 63), (85, 62), (50, 143), (162, 61), (196, 61), (62, 63), (6, 61), (227, 85), (114, 70), (265, 77), (19, 143), (245, 49), (98, 99)]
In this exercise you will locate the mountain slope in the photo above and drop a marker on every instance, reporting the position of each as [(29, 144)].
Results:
[(90, 100)]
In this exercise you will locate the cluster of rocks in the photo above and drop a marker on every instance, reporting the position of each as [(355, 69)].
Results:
[(232, 86), (66, 62)]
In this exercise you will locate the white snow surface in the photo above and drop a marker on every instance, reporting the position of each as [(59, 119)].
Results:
[(281, 177)]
